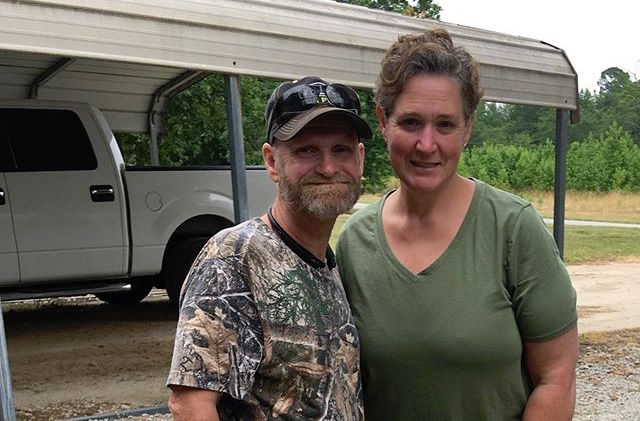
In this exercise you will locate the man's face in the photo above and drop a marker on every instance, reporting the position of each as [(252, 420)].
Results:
[(319, 170)]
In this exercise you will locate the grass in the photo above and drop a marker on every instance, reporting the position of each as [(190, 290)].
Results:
[(585, 206), (583, 244), (600, 244), (336, 229), (610, 207)]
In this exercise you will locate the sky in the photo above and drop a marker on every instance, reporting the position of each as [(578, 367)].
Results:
[(595, 35)]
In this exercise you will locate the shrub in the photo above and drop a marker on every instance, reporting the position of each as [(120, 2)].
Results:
[(610, 162)]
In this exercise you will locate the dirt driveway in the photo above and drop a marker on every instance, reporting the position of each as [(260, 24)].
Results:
[(72, 357), (608, 295)]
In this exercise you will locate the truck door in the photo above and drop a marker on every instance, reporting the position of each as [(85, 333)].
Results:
[(9, 271), (67, 217)]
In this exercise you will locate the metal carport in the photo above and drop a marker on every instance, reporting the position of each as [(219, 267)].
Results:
[(128, 56)]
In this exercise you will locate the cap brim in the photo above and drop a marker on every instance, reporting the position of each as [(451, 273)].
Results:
[(297, 123)]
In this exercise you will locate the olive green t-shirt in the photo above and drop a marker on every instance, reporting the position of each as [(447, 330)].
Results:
[(447, 343)]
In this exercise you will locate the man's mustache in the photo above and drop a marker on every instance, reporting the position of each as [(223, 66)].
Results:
[(336, 179)]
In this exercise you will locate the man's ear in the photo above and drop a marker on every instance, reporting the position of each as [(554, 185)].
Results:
[(382, 121), (361, 157), (269, 158)]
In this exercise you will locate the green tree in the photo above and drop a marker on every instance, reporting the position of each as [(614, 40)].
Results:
[(619, 100), (377, 169), (420, 8), (255, 93), (196, 130), (609, 162), (591, 120), (538, 123), (490, 125)]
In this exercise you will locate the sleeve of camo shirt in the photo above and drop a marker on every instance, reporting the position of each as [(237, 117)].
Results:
[(218, 343)]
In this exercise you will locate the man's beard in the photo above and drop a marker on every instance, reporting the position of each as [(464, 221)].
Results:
[(318, 196)]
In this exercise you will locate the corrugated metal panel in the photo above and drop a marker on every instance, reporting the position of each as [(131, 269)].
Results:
[(127, 49)]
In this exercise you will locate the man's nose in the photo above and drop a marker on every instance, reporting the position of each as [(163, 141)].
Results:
[(327, 165)]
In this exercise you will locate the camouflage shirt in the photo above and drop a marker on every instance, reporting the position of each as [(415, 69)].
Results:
[(271, 332)]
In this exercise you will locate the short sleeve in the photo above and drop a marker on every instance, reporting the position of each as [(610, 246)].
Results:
[(543, 298), (340, 259), (219, 342)]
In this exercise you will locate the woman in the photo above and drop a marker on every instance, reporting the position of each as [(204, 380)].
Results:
[(464, 308)]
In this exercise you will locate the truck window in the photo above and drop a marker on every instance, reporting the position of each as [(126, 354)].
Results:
[(6, 157), (46, 140)]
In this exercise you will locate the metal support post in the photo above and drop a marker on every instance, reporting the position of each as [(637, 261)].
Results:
[(562, 131), (236, 143), (49, 74), (153, 139), (7, 410)]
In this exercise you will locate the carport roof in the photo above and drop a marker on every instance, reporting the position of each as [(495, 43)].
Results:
[(119, 54)]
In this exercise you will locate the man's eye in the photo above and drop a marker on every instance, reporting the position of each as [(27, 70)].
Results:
[(342, 150), (305, 151)]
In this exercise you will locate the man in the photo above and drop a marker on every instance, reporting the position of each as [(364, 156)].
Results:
[(265, 331)]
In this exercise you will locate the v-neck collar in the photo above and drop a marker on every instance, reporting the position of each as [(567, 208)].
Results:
[(393, 261)]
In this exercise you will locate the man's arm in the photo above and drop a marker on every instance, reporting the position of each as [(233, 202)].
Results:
[(552, 367), (191, 404)]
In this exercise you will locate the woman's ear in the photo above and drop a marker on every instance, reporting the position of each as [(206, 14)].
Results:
[(382, 122), (269, 158), (468, 129)]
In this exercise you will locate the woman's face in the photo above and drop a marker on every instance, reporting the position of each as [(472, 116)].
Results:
[(426, 132)]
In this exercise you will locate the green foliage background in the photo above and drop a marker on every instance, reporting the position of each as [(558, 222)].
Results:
[(511, 145)]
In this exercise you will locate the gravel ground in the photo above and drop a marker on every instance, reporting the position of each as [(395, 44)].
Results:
[(608, 378), (608, 384)]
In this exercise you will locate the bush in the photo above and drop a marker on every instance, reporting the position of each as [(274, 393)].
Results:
[(611, 162)]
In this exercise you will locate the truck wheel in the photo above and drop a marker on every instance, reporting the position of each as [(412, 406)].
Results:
[(177, 265), (137, 293)]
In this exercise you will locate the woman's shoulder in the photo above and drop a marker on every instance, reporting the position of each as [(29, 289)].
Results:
[(498, 207), (499, 198), (363, 218)]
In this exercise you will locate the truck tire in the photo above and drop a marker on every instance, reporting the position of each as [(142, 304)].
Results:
[(137, 293), (177, 264)]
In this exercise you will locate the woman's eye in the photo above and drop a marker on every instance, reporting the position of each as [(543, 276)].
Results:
[(410, 124), (446, 125)]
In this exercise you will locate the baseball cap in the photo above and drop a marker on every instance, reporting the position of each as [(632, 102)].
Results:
[(295, 104)]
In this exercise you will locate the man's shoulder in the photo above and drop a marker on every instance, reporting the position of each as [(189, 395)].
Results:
[(254, 246), (238, 237)]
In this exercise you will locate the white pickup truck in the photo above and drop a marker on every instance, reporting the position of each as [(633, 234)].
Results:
[(75, 220)]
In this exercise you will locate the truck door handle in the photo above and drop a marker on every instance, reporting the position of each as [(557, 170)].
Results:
[(102, 193), (2, 199)]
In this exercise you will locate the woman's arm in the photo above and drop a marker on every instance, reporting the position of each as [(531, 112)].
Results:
[(552, 367), (191, 404)]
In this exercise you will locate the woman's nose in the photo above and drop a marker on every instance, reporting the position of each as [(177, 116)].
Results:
[(427, 139)]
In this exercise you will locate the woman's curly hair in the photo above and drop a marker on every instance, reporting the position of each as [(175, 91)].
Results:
[(431, 53)]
